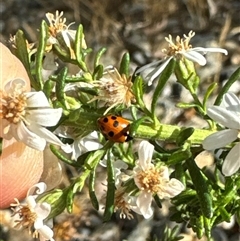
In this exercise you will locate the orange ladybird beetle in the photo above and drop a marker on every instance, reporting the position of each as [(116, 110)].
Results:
[(114, 128)]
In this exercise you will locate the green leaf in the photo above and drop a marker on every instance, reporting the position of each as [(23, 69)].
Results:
[(182, 154), (22, 54), (69, 200), (124, 65), (201, 187), (78, 48), (47, 88), (40, 54), (91, 190), (209, 91), (98, 56), (138, 91), (186, 105), (98, 72), (233, 78), (60, 84), (63, 158), (184, 135), (165, 75), (91, 158), (109, 208)]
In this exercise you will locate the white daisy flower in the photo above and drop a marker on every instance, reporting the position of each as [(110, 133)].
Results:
[(114, 89), (152, 180), (228, 115), (180, 49), (24, 116), (31, 214), (81, 144)]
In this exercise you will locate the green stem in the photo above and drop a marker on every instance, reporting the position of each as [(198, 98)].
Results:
[(162, 132)]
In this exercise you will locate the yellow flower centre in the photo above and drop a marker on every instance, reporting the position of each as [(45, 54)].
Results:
[(27, 217), (180, 45), (13, 106), (149, 180), (57, 23)]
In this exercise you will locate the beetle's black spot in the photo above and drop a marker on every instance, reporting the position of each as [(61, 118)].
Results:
[(105, 120), (111, 133), (113, 117), (115, 123)]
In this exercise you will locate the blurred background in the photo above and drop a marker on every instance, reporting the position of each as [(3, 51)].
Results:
[(138, 27)]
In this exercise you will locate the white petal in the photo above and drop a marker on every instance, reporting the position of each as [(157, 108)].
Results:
[(42, 210), (231, 163), (37, 99), (156, 72), (224, 117), (143, 68), (145, 153), (211, 50), (144, 201), (231, 102), (38, 188), (38, 224), (11, 86), (26, 136), (171, 189), (45, 134), (195, 57), (219, 139), (31, 202), (46, 233), (44, 117)]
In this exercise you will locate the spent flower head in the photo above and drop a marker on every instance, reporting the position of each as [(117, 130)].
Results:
[(114, 89), (31, 214), (178, 50), (228, 115), (152, 180), (123, 203), (59, 31), (23, 115)]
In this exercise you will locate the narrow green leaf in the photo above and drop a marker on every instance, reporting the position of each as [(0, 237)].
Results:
[(109, 208), (201, 187), (22, 54), (40, 54), (124, 65), (98, 56), (182, 154), (135, 124), (138, 91), (186, 105), (91, 190), (91, 158), (47, 88), (69, 200), (78, 48), (165, 75), (60, 84), (98, 72), (63, 158), (209, 91), (233, 78), (184, 135)]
